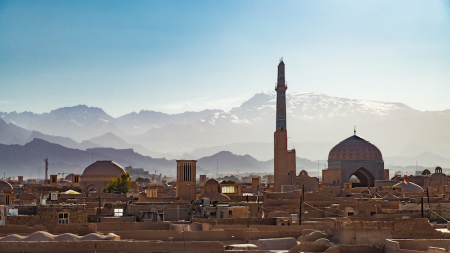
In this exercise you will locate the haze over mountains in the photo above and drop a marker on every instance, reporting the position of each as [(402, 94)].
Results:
[(316, 122)]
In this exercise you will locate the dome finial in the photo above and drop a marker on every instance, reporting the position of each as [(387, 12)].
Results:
[(354, 130)]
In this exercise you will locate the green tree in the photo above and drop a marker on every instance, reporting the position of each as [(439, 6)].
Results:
[(120, 184)]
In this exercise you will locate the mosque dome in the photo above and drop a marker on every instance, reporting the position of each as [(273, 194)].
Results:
[(355, 148), (5, 186), (103, 168), (409, 187)]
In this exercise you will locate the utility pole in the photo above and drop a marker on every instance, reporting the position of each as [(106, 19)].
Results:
[(303, 191), (421, 203), (318, 169), (300, 213), (46, 168)]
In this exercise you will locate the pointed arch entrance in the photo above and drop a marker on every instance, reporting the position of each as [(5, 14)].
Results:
[(366, 178)]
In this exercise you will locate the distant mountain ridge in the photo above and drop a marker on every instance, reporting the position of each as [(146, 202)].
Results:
[(315, 123), (82, 122), (29, 159)]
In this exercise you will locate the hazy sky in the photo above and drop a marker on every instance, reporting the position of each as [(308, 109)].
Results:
[(174, 56)]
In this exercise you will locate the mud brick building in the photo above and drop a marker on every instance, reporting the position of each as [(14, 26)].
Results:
[(49, 216)]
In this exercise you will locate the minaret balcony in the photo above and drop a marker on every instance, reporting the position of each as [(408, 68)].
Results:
[(278, 85)]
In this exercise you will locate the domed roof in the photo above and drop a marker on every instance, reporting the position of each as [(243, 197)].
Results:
[(438, 175), (211, 191), (103, 168), (211, 186), (5, 186), (409, 187), (69, 177), (355, 148)]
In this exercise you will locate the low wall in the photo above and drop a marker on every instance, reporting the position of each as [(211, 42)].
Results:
[(20, 229), (78, 229), (354, 249), (239, 221), (316, 226), (376, 232), (252, 235), (111, 246), (126, 226), (165, 235), (416, 245)]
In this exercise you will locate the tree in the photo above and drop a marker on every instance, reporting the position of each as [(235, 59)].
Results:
[(228, 182), (120, 184)]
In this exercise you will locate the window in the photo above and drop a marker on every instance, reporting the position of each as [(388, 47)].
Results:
[(230, 213), (118, 212), (160, 216), (229, 189), (63, 218)]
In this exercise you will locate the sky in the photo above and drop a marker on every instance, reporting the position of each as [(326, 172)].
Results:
[(176, 56)]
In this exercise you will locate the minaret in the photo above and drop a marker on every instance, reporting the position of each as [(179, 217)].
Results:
[(281, 98), (284, 159)]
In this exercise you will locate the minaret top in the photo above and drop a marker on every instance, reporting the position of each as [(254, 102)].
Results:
[(280, 79)]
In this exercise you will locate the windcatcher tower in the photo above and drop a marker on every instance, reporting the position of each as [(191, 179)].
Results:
[(284, 159)]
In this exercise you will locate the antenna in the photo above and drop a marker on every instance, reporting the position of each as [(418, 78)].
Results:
[(318, 169), (217, 175), (354, 130), (92, 155)]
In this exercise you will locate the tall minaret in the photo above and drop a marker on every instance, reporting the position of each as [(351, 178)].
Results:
[(284, 159), (281, 98)]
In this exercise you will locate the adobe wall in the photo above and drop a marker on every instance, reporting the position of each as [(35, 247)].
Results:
[(242, 221), (172, 212), (414, 229), (126, 226), (416, 245), (315, 226), (78, 229), (48, 216), (376, 232), (364, 232), (111, 246), (354, 249), (19, 229), (253, 235), (165, 235)]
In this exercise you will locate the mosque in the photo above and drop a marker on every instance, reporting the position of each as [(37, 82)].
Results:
[(353, 156), (357, 157)]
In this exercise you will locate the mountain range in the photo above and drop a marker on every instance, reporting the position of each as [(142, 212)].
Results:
[(28, 160), (315, 122)]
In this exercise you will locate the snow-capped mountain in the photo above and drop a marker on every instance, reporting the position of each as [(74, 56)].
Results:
[(310, 106), (139, 123), (315, 123)]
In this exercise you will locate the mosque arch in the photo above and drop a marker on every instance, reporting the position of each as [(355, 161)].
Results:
[(366, 178), (91, 188)]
